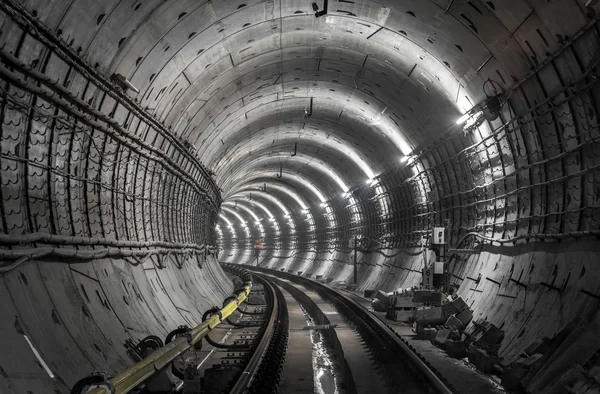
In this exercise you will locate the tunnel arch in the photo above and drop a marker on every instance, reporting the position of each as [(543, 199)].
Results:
[(100, 182)]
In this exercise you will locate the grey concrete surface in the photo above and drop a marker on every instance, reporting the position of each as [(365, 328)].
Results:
[(304, 123), (298, 375)]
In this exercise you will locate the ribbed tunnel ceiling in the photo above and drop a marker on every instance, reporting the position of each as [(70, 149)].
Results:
[(256, 120), (363, 99), (250, 85), (352, 91)]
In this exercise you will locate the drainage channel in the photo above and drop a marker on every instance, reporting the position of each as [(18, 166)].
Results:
[(310, 364), (323, 364)]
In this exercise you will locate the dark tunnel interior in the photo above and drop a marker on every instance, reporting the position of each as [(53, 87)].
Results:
[(144, 141)]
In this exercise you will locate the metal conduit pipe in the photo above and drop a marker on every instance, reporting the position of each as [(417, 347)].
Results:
[(104, 186), (534, 109), (37, 29), (138, 373), (494, 133), (66, 103), (23, 255), (6, 239)]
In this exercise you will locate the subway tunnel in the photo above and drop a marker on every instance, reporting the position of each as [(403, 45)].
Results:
[(145, 141)]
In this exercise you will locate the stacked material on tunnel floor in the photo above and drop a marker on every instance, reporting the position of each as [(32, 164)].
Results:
[(318, 131), (571, 359)]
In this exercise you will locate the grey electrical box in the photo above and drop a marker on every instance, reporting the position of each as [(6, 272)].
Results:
[(439, 237)]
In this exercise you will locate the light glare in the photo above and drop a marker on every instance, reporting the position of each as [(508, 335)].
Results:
[(463, 118)]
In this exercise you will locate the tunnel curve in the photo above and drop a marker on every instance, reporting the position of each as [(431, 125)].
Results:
[(257, 121)]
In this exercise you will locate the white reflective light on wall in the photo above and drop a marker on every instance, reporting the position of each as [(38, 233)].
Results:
[(383, 202), (401, 143), (39, 358), (355, 210), (244, 207), (225, 220), (290, 193), (463, 118), (330, 218), (316, 191), (263, 207), (337, 179), (239, 217), (234, 213)]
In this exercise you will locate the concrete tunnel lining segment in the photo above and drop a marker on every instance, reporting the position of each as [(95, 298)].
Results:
[(220, 85)]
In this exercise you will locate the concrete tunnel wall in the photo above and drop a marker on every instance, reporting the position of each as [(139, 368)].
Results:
[(295, 125)]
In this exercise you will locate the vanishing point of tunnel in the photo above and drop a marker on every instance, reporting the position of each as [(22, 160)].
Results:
[(414, 156)]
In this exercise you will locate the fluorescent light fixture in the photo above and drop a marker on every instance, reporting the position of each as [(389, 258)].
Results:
[(323, 204), (404, 159), (463, 118), (473, 119)]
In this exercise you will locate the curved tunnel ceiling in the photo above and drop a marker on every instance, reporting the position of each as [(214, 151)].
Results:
[(255, 120), (352, 94), (368, 81), (357, 89), (368, 77)]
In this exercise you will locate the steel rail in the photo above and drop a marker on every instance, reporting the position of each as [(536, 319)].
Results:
[(138, 373), (254, 363)]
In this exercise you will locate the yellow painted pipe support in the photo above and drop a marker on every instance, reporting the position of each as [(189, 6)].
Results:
[(138, 373)]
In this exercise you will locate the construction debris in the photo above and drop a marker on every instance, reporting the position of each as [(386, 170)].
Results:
[(429, 316), (378, 306), (482, 360), (465, 316), (455, 323), (383, 297), (448, 326), (548, 365), (456, 349), (568, 362)]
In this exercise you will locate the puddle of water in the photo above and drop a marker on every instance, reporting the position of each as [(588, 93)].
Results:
[(325, 379)]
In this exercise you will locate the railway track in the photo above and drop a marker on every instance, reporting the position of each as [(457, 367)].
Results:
[(258, 334), (288, 334), (371, 357), (238, 348)]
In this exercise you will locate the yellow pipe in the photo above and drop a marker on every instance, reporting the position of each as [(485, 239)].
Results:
[(138, 373)]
